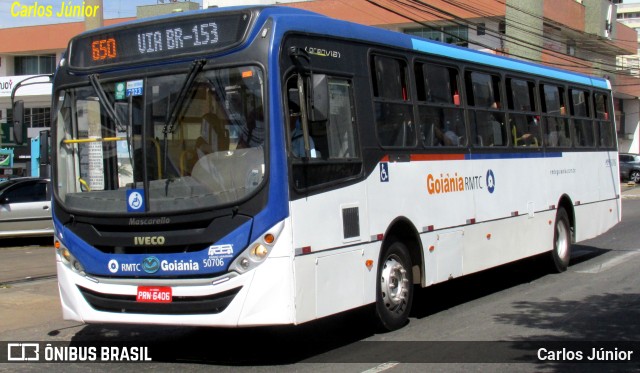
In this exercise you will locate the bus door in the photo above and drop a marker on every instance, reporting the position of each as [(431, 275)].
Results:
[(328, 206)]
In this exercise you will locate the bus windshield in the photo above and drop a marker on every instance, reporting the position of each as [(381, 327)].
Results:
[(209, 154)]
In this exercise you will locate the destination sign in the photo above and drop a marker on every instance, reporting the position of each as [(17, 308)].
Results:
[(159, 40)]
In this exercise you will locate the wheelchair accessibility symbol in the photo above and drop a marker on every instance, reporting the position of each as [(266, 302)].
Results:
[(384, 172), (135, 200)]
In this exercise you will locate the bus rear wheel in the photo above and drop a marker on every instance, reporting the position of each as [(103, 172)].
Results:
[(561, 252), (394, 287)]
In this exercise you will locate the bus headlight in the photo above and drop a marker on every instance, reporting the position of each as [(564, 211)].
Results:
[(68, 259), (258, 251)]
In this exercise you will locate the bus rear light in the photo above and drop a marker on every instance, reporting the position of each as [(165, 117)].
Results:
[(431, 248), (306, 250), (488, 236), (471, 221)]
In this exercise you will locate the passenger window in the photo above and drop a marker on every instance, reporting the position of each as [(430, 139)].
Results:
[(604, 124), (582, 125), (437, 84), (556, 130), (486, 118), (442, 126), (601, 106), (440, 118), (553, 100), (393, 109), (523, 121)]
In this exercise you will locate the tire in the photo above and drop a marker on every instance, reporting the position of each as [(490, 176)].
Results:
[(561, 253), (635, 176), (394, 288)]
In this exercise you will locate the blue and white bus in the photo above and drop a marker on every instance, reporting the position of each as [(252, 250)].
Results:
[(268, 165)]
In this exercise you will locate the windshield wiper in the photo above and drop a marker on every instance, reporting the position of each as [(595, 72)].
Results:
[(104, 102), (195, 69)]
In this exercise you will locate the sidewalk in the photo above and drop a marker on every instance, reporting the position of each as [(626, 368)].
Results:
[(630, 190)]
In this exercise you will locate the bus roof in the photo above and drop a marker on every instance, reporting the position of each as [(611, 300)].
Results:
[(313, 23), (294, 19)]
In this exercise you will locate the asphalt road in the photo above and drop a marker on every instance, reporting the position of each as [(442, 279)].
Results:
[(453, 327)]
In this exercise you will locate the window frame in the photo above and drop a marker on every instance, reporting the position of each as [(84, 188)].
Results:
[(305, 166), (406, 101), (455, 88), (496, 112), (532, 115)]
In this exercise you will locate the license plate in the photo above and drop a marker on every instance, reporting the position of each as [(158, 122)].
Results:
[(154, 294)]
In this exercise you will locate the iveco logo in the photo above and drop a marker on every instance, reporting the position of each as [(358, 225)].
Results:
[(150, 264), (153, 240)]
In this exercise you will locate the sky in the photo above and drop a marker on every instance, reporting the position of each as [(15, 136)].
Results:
[(112, 9)]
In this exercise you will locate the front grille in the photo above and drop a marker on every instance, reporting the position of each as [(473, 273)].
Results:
[(165, 249), (208, 304)]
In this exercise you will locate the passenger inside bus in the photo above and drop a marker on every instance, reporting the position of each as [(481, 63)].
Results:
[(524, 130)]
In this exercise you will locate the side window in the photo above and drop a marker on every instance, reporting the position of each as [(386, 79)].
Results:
[(335, 151), (486, 118), (581, 123), (524, 124), (440, 117), (604, 124), (340, 129), (393, 109), (31, 192), (554, 119)]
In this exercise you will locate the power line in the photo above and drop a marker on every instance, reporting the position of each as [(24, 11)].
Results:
[(441, 14), (524, 43)]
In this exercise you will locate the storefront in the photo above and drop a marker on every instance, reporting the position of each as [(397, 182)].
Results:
[(37, 107)]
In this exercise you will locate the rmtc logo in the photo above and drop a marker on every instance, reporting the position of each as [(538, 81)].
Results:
[(152, 240)]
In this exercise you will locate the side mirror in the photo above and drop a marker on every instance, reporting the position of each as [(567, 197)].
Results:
[(18, 122), (44, 148), (319, 98)]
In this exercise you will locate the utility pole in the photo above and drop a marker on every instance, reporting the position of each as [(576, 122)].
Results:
[(97, 19)]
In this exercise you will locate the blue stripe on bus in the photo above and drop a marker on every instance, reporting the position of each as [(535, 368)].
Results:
[(478, 156), (464, 54)]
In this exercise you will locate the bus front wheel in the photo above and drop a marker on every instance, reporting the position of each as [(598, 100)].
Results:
[(394, 287), (561, 252)]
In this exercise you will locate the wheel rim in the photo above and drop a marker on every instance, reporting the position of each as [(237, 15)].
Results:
[(394, 285), (635, 176), (562, 241)]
